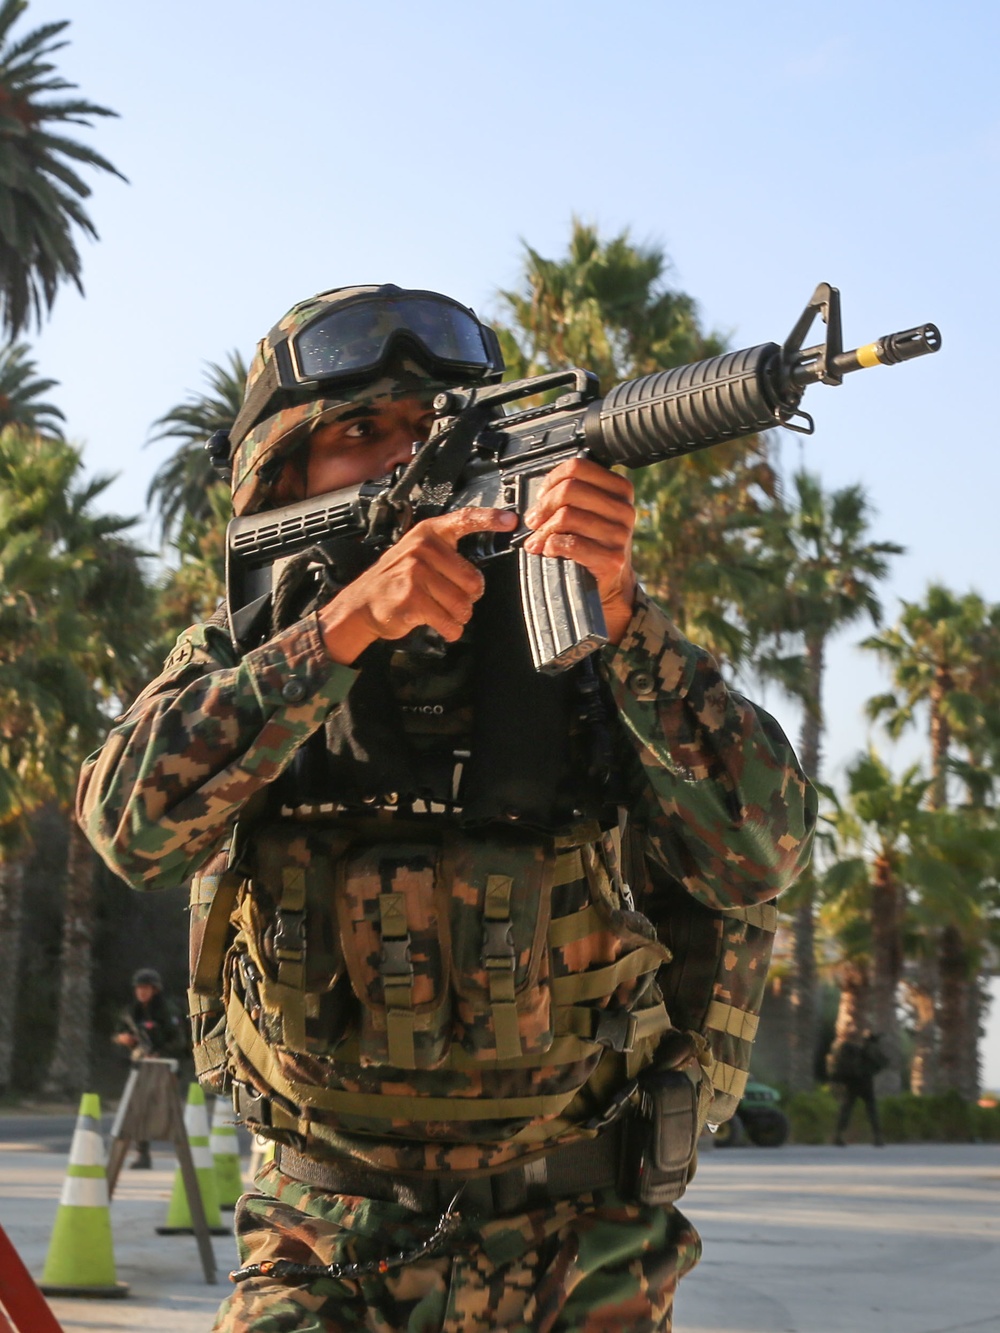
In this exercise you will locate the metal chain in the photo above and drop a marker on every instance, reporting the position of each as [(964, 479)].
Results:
[(284, 1270)]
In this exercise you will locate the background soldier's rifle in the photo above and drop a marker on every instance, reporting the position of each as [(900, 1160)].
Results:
[(143, 1047), (478, 455)]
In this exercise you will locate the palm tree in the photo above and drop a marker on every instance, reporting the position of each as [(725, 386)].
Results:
[(874, 833), (943, 658), (191, 592), (40, 190), (115, 655), (824, 573), (936, 655), (606, 307), (957, 874), (183, 485), (40, 687), (66, 573), (20, 390)]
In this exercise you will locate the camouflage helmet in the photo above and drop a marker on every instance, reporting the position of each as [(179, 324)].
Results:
[(263, 438)]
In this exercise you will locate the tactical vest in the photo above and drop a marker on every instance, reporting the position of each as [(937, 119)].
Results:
[(453, 959), (401, 969)]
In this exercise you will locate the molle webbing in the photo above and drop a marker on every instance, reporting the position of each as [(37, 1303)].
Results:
[(382, 1106), (586, 1023), (762, 915), (732, 1029), (729, 1081), (736, 1022)]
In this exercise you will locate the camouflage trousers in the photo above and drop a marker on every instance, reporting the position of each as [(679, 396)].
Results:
[(592, 1263)]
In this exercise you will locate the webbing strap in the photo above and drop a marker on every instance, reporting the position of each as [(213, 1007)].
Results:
[(289, 938), (619, 1030), (499, 960), (729, 1079), (257, 399), (602, 981), (206, 978), (576, 926), (736, 1022), (762, 915), (568, 867), (386, 1107), (290, 953)]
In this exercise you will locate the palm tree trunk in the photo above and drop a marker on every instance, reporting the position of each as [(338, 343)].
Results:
[(855, 1001), (887, 963), (69, 1070), (802, 1071), (971, 1051), (953, 1007), (940, 740), (11, 903), (920, 991)]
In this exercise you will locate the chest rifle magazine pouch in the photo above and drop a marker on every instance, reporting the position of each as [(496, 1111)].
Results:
[(393, 913), (661, 1138), (285, 964), (500, 907)]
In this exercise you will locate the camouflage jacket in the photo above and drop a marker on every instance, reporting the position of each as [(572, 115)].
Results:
[(726, 817)]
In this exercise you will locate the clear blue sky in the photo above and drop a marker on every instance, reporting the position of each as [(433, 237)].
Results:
[(274, 151)]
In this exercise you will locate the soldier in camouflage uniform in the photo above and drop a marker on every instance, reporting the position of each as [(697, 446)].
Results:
[(440, 993)]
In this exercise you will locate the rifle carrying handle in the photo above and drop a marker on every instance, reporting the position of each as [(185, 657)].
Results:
[(562, 611)]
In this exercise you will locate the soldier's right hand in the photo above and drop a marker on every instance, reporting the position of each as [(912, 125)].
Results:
[(422, 580)]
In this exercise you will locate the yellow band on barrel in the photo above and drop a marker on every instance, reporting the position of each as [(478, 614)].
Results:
[(868, 355)]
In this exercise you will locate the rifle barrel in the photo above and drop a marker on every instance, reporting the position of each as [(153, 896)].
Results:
[(886, 351)]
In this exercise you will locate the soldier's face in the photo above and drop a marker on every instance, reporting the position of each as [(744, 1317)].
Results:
[(144, 993), (365, 446)]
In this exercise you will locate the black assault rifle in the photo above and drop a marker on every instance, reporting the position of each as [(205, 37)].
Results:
[(479, 454)]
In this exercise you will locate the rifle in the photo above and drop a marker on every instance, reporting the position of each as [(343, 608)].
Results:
[(143, 1047), (479, 453)]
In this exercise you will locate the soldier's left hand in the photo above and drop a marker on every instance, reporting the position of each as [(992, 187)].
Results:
[(586, 513)]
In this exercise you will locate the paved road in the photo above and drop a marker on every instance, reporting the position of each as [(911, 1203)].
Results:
[(797, 1240), (904, 1239), (44, 1133)]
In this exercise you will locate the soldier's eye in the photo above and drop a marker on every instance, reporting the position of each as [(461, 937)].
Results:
[(360, 430)]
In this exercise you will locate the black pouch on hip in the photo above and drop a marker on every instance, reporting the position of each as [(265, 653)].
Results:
[(661, 1137)]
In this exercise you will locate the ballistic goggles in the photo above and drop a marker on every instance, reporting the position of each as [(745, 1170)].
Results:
[(352, 334)]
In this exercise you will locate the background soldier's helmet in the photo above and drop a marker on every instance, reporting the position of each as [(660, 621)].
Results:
[(147, 976), (260, 451)]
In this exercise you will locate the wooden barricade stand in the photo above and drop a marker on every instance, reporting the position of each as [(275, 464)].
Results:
[(151, 1108)]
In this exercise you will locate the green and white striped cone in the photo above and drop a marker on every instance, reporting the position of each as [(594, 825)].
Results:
[(81, 1260), (178, 1221), (226, 1154)]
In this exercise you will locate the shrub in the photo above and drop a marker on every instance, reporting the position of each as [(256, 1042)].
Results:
[(812, 1116), (906, 1118), (987, 1123)]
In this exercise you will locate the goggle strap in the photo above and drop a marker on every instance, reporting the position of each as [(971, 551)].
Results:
[(265, 387)]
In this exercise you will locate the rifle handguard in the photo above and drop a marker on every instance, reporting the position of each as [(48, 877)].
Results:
[(674, 412)]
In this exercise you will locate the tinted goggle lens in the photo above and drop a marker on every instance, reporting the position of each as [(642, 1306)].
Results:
[(357, 337)]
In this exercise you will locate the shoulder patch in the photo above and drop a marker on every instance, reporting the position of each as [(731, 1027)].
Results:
[(181, 655)]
